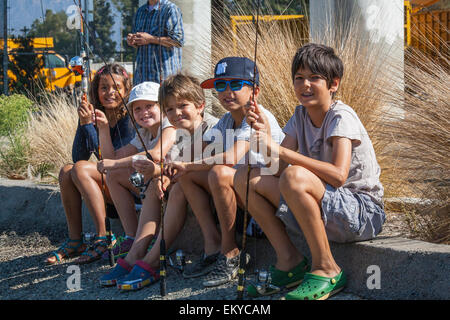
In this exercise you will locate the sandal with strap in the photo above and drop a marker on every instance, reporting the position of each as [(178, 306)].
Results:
[(277, 280), (62, 253), (94, 248), (316, 287)]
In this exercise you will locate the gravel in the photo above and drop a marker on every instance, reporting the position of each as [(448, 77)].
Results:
[(25, 276)]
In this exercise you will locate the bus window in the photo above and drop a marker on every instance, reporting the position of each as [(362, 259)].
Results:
[(53, 61)]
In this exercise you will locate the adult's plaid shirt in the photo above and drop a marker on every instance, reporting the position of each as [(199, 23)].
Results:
[(162, 20)]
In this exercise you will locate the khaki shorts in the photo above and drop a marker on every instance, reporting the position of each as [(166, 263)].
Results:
[(348, 217)]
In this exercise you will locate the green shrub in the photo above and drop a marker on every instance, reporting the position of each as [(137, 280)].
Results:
[(14, 156), (14, 112)]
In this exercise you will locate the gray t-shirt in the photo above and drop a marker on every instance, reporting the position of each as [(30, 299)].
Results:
[(188, 147), (147, 137), (225, 132), (341, 121)]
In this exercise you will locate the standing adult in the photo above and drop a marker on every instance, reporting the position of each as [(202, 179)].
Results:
[(158, 27)]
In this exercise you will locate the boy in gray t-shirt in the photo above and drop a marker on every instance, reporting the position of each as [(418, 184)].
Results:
[(328, 180)]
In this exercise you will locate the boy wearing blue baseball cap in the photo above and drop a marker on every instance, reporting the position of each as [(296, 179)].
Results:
[(236, 80)]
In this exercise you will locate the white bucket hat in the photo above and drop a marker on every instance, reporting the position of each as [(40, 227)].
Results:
[(144, 91)]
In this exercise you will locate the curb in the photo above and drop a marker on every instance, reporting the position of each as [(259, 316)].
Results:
[(382, 268)]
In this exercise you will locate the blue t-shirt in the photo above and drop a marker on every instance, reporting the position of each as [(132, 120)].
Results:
[(86, 140)]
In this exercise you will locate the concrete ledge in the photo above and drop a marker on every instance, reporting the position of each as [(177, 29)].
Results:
[(409, 269)]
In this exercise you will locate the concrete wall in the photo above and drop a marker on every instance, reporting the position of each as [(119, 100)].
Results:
[(380, 26), (407, 269)]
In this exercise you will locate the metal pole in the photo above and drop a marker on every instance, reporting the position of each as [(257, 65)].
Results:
[(5, 47), (86, 38)]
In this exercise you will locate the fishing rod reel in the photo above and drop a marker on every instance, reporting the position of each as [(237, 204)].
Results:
[(137, 179), (263, 283), (180, 261)]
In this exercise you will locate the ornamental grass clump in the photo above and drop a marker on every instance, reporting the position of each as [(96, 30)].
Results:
[(50, 132)]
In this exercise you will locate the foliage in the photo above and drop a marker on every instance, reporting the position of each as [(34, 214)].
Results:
[(14, 157), (14, 112), (128, 9), (26, 67), (67, 42), (102, 26), (54, 25)]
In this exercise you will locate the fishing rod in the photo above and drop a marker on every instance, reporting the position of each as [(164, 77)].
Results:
[(84, 86), (162, 244), (242, 255)]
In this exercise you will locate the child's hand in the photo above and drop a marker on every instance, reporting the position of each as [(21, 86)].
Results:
[(175, 170), (104, 165), (264, 140), (146, 167), (256, 118), (161, 188), (100, 119), (85, 111)]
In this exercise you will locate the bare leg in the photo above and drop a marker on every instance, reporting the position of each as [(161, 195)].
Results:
[(174, 218), (220, 179), (263, 201), (120, 189), (88, 182), (196, 189), (71, 200), (148, 224), (303, 192)]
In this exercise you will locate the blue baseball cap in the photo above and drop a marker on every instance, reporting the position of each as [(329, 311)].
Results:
[(233, 68)]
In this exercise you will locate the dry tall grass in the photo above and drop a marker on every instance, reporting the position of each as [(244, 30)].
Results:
[(412, 151), (50, 134), (422, 143)]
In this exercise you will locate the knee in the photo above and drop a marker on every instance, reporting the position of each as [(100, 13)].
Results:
[(240, 179), (294, 178), (176, 193), (185, 179), (219, 176), (65, 175), (80, 170)]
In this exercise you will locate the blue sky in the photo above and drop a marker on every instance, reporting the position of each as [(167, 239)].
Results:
[(22, 13)]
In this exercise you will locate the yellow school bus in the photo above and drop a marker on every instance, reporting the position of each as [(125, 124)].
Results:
[(55, 69)]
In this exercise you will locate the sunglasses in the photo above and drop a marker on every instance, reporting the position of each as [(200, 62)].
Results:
[(235, 85)]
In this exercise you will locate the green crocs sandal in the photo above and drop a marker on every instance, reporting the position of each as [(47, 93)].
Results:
[(279, 280), (316, 287)]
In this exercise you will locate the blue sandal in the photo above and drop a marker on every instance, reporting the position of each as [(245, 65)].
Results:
[(140, 276), (61, 253)]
